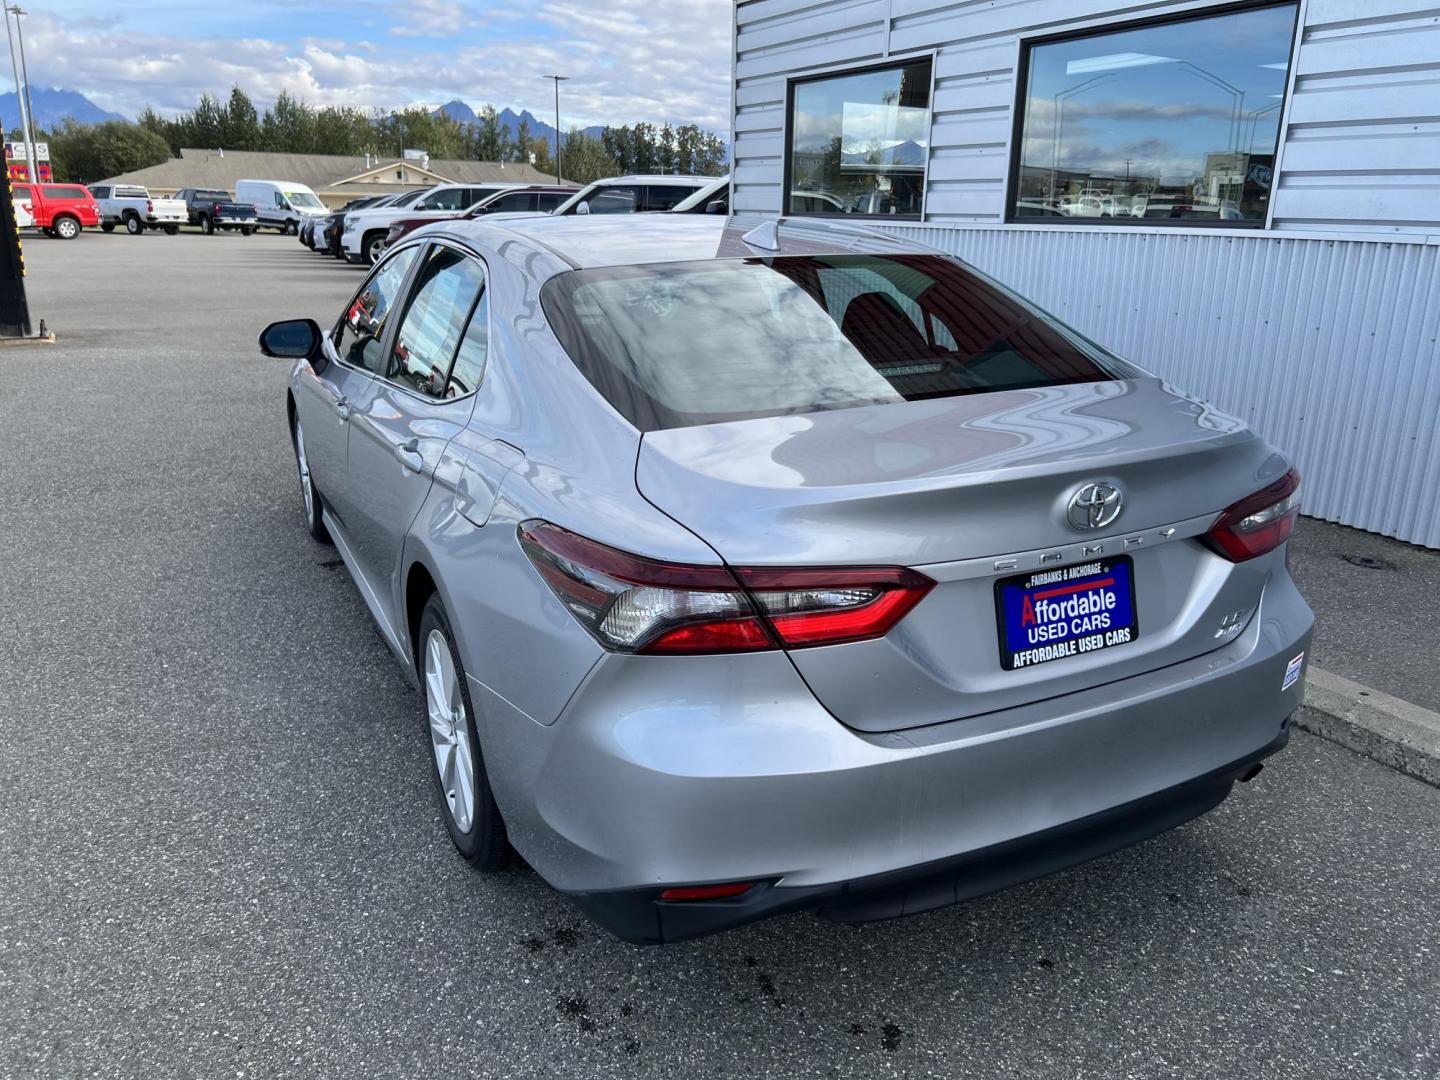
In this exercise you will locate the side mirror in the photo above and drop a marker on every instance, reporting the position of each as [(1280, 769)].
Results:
[(717, 206), (583, 208), (291, 339)]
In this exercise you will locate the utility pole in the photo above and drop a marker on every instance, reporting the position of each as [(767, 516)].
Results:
[(558, 80), (28, 113), (19, 93)]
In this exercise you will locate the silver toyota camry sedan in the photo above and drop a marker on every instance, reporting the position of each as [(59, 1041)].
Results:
[(749, 570)]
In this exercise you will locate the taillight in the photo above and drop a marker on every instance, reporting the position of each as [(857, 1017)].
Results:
[(216, 208), (149, 206), (1258, 523), (633, 604)]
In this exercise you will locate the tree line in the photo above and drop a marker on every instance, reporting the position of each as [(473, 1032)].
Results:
[(86, 153)]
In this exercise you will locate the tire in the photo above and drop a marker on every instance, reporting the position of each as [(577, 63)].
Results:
[(133, 225), (107, 226), (290, 228), (172, 230), (373, 247), (66, 228), (471, 816), (246, 230), (311, 501), (206, 225)]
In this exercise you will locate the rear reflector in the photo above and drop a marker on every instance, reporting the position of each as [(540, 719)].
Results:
[(1258, 523), (633, 604), (707, 892)]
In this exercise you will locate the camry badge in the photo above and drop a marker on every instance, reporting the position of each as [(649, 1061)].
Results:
[(1094, 506)]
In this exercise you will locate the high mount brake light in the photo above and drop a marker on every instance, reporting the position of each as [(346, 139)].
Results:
[(639, 605), (1258, 523)]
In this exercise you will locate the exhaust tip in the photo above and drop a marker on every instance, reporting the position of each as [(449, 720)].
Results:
[(1252, 772)]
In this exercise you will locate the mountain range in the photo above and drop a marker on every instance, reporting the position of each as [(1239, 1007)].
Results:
[(510, 121), (52, 106)]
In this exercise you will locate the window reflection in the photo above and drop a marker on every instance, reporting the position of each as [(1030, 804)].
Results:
[(859, 142), (1175, 121)]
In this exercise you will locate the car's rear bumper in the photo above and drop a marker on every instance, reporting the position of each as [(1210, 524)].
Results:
[(665, 771), (642, 917)]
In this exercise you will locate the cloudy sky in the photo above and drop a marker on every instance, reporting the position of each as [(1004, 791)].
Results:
[(628, 60)]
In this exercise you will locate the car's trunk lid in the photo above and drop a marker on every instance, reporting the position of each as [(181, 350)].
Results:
[(971, 489)]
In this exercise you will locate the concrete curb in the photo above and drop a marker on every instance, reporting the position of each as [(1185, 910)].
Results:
[(1393, 732)]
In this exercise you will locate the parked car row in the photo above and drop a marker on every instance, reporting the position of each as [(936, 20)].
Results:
[(361, 231)]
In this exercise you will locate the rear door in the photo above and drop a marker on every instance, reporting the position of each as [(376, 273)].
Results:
[(414, 405)]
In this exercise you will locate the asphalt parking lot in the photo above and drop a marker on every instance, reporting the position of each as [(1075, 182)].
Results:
[(221, 854)]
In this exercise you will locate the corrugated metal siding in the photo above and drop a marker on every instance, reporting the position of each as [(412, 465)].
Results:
[(1327, 348), (1361, 149)]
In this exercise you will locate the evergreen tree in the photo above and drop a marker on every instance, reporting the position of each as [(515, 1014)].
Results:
[(242, 123), (584, 158), (288, 126), (490, 136)]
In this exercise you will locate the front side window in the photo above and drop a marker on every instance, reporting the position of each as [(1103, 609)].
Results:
[(516, 202), (672, 345), (664, 196), (860, 142), (447, 199), (616, 199), (1175, 121), (357, 336), (304, 198), (446, 289)]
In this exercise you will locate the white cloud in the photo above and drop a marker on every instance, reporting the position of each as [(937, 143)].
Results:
[(628, 60)]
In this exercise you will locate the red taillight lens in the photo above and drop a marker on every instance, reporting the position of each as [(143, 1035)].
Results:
[(708, 892), (1258, 523), (149, 206), (633, 604), (831, 606)]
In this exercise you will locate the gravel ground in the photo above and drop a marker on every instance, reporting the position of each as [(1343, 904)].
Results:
[(221, 855)]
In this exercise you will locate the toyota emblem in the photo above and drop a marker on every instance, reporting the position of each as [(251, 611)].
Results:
[(1095, 505)]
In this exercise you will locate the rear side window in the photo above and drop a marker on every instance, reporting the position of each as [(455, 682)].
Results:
[(446, 288), (672, 345), (549, 200), (62, 191), (100, 192)]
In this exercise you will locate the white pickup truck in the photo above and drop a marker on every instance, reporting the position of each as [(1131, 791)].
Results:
[(133, 208)]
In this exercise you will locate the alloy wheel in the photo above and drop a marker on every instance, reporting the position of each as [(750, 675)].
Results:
[(449, 731)]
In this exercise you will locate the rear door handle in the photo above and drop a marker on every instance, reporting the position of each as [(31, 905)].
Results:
[(408, 454), (342, 408)]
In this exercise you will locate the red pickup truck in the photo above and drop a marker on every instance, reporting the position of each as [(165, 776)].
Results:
[(59, 209)]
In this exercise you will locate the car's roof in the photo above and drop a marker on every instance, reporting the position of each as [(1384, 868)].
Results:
[(583, 241), (655, 178)]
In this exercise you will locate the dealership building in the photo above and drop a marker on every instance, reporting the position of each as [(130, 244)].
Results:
[(1242, 198)]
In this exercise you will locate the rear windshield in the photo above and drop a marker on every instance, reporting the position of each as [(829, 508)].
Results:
[(213, 196), (676, 344)]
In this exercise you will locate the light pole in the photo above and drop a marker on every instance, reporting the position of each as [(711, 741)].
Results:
[(558, 79), (22, 96), (34, 170)]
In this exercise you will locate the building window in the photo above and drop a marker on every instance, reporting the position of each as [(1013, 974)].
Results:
[(859, 142), (1172, 121)]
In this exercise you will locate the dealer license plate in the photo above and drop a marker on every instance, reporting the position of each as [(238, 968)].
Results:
[(1065, 611)]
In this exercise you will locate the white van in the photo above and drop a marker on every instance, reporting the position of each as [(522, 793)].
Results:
[(280, 204)]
